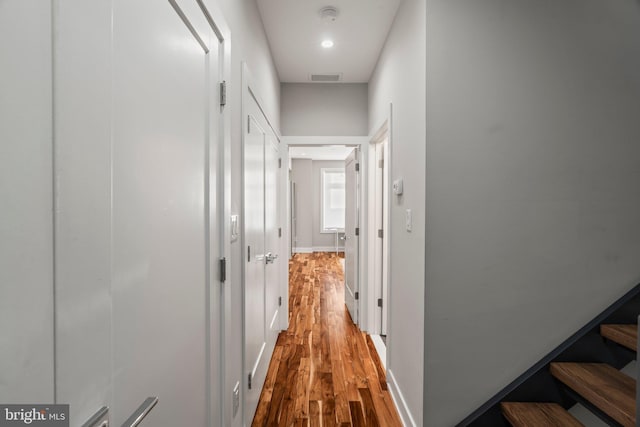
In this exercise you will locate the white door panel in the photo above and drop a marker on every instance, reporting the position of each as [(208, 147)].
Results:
[(262, 243), (26, 202), (159, 215), (351, 239), (255, 331), (272, 238)]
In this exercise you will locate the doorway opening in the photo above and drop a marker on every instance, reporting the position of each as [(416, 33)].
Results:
[(324, 194)]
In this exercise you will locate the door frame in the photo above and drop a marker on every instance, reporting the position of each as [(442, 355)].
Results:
[(361, 142), (383, 134)]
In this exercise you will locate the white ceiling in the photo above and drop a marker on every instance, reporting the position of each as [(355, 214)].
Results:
[(295, 30), (331, 152)]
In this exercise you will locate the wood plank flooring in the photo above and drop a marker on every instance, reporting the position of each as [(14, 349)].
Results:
[(324, 370), (527, 414)]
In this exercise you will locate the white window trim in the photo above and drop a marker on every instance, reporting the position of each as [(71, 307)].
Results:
[(323, 229)]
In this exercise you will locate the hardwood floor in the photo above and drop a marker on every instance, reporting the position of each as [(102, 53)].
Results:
[(324, 370)]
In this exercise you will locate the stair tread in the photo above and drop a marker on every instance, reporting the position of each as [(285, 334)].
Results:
[(626, 335), (528, 414), (613, 392)]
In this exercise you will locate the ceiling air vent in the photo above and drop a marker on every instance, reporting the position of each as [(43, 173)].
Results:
[(333, 77)]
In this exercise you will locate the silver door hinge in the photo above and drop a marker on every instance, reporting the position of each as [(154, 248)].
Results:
[(248, 253), (279, 301), (249, 382), (223, 269), (357, 167), (380, 234), (223, 93), (379, 302), (357, 231), (280, 163), (280, 232), (380, 163), (357, 295)]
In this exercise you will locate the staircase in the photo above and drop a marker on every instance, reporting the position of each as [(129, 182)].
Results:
[(585, 369)]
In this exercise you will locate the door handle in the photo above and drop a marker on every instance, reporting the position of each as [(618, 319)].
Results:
[(140, 413), (270, 258)]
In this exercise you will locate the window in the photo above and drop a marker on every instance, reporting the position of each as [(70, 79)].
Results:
[(333, 199)]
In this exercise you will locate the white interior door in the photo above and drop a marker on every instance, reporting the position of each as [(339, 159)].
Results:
[(165, 61), (261, 287), (272, 235), (26, 202), (351, 294)]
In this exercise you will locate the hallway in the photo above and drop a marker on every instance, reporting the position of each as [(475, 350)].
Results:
[(324, 371)]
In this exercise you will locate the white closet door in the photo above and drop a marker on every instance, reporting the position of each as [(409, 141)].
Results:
[(351, 246), (26, 203)]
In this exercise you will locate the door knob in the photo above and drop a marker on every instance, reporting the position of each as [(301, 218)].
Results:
[(270, 258)]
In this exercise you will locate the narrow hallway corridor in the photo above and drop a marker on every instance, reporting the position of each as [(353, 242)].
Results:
[(324, 370)]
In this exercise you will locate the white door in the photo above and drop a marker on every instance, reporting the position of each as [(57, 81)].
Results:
[(26, 201), (163, 109), (154, 168), (351, 232), (261, 288)]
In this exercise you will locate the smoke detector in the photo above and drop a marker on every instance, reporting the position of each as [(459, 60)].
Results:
[(329, 14)]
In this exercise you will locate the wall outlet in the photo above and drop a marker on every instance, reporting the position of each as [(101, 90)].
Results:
[(236, 399)]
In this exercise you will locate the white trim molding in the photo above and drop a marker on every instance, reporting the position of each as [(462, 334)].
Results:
[(399, 400)]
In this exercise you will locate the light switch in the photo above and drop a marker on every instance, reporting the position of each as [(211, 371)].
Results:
[(408, 221), (397, 186)]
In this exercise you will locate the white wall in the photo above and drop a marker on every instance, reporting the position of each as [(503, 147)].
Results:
[(532, 184), (248, 43), (26, 203), (399, 79), (324, 109)]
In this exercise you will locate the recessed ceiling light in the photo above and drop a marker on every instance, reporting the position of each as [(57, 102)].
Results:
[(327, 44)]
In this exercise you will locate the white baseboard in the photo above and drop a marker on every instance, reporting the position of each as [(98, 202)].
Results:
[(303, 250), (401, 403), (327, 249)]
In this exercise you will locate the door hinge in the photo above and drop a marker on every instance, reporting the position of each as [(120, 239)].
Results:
[(280, 232), (223, 93), (379, 302), (248, 253), (357, 231), (280, 163), (249, 382), (380, 234), (381, 163), (223, 269), (279, 301), (357, 296), (357, 167)]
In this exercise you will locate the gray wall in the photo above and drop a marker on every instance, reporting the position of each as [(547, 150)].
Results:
[(533, 214), (324, 109), (399, 78), (306, 174)]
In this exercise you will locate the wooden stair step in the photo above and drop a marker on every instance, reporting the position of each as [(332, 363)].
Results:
[(626, 335), (530, 414), (611, 391)]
